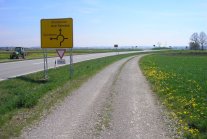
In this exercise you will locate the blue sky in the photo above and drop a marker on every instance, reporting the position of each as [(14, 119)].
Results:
[(105, 22)]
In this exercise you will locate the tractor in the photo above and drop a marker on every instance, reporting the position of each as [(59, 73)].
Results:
[(18, 53)]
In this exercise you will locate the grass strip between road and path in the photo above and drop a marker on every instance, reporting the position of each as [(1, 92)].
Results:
[(180, 80), (25, 99)]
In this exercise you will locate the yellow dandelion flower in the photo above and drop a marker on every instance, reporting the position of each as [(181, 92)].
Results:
[(193, 105), (185, 128)]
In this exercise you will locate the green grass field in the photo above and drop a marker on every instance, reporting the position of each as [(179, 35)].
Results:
[(23, 99), (180, 80)]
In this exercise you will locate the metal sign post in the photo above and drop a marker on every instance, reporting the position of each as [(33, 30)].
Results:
[(45, 64), (71, 62)]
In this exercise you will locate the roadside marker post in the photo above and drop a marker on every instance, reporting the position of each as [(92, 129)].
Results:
[(55, 63), (57, 33)]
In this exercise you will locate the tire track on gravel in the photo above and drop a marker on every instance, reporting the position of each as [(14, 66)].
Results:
[(104, 118), (135, 110)]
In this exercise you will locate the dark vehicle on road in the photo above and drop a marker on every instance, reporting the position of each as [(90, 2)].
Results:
[(18, 53)]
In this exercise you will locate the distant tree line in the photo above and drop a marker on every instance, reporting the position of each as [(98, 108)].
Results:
[(198, 41)]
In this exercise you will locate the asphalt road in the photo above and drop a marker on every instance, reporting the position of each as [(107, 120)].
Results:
[(117, 103), (15, 69)]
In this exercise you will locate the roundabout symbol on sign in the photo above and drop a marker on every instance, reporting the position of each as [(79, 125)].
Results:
[(59, 37)]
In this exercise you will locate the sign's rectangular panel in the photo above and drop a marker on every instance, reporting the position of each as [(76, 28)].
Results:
[(57, 33)]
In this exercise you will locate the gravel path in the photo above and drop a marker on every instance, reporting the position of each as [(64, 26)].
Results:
[(117, 103)]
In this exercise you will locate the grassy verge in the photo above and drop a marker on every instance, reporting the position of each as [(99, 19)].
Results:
[(180, 80), (24, 99)]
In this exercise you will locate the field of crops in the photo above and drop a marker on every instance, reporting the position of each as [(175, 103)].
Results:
[(180, 80)]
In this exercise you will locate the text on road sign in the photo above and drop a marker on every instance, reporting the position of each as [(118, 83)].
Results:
[(57, 33)]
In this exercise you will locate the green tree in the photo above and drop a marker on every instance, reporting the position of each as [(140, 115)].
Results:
[(194, 46), (194, 41), (202, 39)]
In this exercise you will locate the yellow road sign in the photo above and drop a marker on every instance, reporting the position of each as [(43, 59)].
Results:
[(57, 33)]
